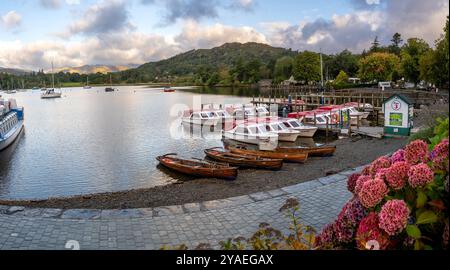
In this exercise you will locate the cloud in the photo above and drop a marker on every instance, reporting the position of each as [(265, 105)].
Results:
[(50, 4), (195, 36), (11, 20), (102, 18), (73, 2), (197, 10), (246, 5)]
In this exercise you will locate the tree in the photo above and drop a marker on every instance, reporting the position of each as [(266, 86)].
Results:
[(342, 78), (378, 67), (345, 61), (375, 45), (433, 64), (395, 45), (307, 67), (283, 68), (410, 55)]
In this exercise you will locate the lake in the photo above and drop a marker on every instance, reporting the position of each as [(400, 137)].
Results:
[(90, 141)]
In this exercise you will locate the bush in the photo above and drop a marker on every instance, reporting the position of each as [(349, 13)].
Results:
[(411, 213)]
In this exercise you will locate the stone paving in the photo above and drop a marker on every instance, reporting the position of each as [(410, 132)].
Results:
[(190, 224)]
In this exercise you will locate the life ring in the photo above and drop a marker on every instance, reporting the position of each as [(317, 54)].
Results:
[(335, 118)]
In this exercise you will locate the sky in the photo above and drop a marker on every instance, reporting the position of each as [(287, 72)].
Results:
[(33, 33)]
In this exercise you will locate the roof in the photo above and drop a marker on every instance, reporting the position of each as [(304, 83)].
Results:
[(402, 97)]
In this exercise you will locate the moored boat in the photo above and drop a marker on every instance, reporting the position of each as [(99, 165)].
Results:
[(205, 117), (295, 124), (320, 151), (244, 161), (288, 156), (168, 89), (198, 168), (51, 93), (11, 122), (253, 133)]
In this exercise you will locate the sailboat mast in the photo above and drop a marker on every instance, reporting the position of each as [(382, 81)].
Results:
[(53, 77), (321, 68)]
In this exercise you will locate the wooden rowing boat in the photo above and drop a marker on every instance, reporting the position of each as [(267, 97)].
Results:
[(245, 161), (198, 168), (288, 156), (320, 151)]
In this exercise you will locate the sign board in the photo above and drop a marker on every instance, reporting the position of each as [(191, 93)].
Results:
[(398, 114)]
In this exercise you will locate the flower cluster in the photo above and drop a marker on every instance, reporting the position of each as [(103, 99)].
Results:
[(360, 181), (351, 182), (368, 230), (380, 163), (383, 193), (373, 192), (419, 175), (397, 175), (439, 156), (399, 155), (416, 152), (394, 216)]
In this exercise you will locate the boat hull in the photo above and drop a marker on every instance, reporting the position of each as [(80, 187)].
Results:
[(244, 161), (266, 143), (45, 96), (198, 169), (285, 156), (320, 151), (288, 137), (11, 136)]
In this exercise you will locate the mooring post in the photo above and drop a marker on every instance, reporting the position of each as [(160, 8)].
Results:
[(326, 130)]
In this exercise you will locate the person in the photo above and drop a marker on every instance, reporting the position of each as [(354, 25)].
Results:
[(284, 111)]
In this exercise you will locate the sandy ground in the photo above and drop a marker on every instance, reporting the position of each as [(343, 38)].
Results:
[(350, 153)]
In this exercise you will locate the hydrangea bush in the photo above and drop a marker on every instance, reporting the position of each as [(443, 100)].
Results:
[(399, 202)]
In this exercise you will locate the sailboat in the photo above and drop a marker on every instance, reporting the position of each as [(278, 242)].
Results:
[(87, 86), (50, 93), (110, 89)]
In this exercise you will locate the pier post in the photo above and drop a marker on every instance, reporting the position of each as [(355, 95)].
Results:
[(326, 130)]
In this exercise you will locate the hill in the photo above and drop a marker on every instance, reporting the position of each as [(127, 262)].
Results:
[(14, 71), (91, 69), (225, 56)]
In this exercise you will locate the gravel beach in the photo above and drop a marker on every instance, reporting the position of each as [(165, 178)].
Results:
[(350, 153)]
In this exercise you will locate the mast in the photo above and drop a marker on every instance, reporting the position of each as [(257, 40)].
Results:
[(53, 78), (321, 67)]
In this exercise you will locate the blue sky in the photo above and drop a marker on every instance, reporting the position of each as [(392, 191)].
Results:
[(75, 32)]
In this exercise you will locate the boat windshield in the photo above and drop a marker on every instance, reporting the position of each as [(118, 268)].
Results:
[(295, 123), (204, 115)]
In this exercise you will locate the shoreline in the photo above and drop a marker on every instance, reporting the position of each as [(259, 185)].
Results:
[(350, 153)]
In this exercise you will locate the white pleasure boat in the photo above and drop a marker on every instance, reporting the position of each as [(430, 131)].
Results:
[(253, 133)]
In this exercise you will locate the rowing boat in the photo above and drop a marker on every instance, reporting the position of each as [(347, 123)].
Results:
[(198, 168), (288, 156), (245, 161), (320, 151)]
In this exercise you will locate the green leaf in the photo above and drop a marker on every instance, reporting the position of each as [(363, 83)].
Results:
[(413, 231), (417, 245), (426, 218), (421, 199)]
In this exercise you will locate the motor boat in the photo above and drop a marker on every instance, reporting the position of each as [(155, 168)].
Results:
[(284, 134), (206, 117), (11, 122), (253, 133), (50, 93), (295, 124)]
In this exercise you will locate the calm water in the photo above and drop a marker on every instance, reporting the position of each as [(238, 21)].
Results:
[(90, 141)]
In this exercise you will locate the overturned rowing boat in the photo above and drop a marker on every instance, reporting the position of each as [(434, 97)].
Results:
[(198, 168), (245, 161), (289, 156)]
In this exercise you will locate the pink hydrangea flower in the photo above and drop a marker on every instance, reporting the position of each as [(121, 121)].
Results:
[(416, 152), (379, 163), (394, 216), (372, 192), (368, 230), (326, 239), (397, 175), (399, 155), (419, 175), (439, 156), (360, 181), (366, 170), (348, 220), (382, 173), (351, 182)]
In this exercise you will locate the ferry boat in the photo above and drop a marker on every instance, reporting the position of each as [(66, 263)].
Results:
[(11, 122), (253, 133), (210, 117)]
